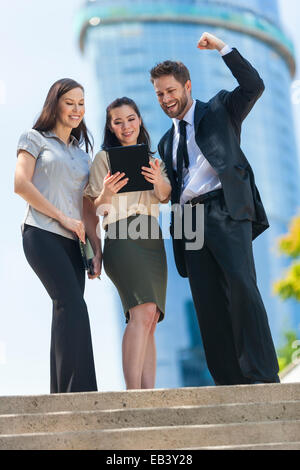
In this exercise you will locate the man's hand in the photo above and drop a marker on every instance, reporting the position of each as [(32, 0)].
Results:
[(210, 42)]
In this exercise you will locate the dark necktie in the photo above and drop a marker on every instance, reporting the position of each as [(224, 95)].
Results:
[(182, 155)]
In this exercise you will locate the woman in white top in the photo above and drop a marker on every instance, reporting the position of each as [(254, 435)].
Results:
[(52, 171), (136, 266)]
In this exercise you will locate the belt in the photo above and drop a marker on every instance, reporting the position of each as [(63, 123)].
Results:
[(205, 197)]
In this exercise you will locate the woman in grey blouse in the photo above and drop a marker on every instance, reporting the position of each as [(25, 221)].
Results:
[(52, 171)]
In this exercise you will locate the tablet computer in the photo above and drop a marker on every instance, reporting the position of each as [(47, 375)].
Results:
[(129, 160)]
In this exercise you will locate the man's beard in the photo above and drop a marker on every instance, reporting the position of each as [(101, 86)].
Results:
[(179, 107)]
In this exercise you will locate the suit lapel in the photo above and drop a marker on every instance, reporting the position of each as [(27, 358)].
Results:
[(168, 152), (201, 137), (200, 110)]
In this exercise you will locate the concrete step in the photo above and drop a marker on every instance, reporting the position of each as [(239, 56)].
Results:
[(270, 446), (156, 398), (148, 417), (241, 417), (165, 437)]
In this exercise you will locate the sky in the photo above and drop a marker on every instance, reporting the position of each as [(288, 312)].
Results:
[(38, 46)]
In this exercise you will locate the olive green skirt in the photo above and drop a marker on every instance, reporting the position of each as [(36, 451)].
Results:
[(137, 267)]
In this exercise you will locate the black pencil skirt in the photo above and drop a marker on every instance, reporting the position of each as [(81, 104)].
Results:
[(57, 262), (137, 267)]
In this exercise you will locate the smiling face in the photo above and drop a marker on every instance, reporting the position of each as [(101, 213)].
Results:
[(71, 108), (125, 124), (174, 98)]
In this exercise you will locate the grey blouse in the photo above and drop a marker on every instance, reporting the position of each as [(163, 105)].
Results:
[(61, 173)]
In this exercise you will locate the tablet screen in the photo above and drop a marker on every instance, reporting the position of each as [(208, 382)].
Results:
[(129, 160)]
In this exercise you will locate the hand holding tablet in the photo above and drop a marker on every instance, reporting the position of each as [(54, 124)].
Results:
[(153, 173)]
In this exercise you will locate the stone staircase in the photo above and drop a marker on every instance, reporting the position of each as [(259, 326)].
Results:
[(240, 417)]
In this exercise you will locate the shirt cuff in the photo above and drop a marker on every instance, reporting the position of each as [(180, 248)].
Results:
[(226, 50)]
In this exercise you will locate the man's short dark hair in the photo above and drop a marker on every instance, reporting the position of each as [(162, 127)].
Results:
[(177, 69)]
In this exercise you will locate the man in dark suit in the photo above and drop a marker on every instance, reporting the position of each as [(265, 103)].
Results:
[(206, 165)]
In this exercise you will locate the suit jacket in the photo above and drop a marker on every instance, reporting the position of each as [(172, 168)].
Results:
[(218, 135)]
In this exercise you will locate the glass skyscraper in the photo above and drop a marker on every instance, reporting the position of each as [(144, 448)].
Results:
[(124, 39)]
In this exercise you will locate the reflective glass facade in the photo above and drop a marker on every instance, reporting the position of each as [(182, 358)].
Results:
[(134, 35), (263, 8)]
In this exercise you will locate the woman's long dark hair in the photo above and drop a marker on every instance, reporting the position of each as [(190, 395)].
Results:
[(47, 119), (110, 139)]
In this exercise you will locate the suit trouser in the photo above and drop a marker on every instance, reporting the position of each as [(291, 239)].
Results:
[(57, 262), (232, 318)]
